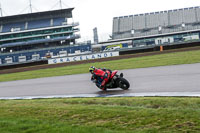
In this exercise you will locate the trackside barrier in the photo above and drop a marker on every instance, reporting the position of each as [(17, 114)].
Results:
[(158, 48), (83, 57), (20, 65)]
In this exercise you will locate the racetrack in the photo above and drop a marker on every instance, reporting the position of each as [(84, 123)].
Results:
[(177, 79)]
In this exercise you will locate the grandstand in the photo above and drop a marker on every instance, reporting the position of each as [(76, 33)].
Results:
[(38, 36), (156, 23), (172, 27)]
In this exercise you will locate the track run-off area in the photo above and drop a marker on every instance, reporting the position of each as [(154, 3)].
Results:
[(175, 80)]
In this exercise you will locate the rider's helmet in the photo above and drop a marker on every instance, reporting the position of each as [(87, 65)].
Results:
[(91, 69)]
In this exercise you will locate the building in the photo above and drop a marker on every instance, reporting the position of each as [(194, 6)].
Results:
[(156, 23), (172, 27), (96, 38), (37, 36)]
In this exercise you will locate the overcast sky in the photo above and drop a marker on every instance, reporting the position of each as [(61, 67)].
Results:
[(96, 13)]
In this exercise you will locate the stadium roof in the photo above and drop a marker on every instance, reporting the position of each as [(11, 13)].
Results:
[(37, 15)]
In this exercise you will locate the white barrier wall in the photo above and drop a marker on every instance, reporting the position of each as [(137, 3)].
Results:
[(83, 57)]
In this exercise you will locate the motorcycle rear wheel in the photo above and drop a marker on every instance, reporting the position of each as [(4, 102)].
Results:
[(124, 84)]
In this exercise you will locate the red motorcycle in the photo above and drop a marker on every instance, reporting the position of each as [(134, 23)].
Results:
[(115, 81)]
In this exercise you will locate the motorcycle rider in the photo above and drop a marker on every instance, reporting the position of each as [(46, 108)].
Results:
[(100, 75)]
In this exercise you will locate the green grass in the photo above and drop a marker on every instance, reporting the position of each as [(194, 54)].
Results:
[(100, 115), (140, 62)]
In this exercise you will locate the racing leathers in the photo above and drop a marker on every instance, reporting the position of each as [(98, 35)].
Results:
[(102, 77)]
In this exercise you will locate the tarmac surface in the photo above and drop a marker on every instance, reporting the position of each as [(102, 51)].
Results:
[(176, 80)]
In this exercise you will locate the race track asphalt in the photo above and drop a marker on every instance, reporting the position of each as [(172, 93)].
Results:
[(154, 80)]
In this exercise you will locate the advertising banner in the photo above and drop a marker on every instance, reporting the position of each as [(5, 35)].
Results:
[(83, 57)]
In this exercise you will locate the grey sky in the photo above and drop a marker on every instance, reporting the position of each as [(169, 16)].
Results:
[(96, 13)]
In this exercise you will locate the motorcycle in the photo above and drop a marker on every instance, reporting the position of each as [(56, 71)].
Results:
[(115, 81)]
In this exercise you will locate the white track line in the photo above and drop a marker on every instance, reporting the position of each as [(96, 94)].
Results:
[(151, 94)]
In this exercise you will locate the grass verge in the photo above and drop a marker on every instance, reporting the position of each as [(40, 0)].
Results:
[(100, 115), (131, 63)]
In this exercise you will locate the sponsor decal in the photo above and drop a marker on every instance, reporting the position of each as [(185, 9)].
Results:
[(83, 57)]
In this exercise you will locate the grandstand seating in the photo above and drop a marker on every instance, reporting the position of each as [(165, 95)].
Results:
[(8, 27), (40, 41), (33, 24), (33, 36), (38, 24), (149, 23), (58, 21), (42, 52)]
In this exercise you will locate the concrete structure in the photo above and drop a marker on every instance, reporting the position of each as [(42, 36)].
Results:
[(35, 36), (164, 28), (156, 23)]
